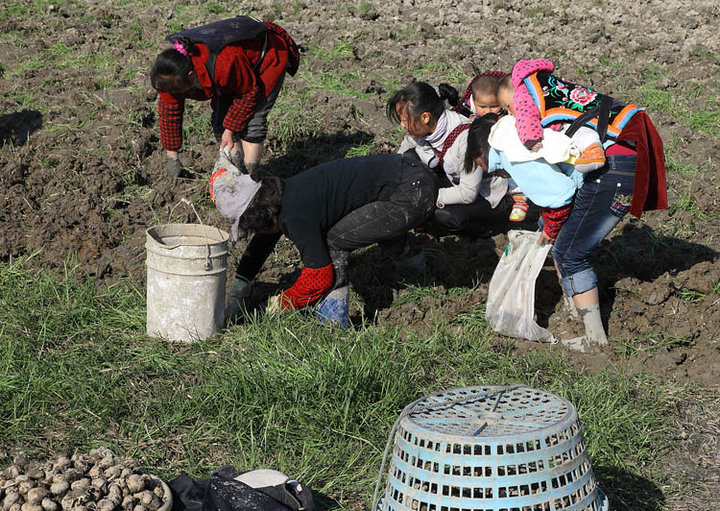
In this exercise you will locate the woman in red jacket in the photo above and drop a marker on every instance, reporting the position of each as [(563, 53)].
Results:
[(246, 81)]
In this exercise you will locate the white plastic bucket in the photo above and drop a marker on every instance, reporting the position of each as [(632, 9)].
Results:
[(186, 272)]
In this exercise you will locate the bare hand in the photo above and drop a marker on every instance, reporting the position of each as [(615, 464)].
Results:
[(227, 140), (544, 239), (535, 148)]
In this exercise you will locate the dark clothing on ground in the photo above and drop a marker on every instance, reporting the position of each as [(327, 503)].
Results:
[(478, 216)]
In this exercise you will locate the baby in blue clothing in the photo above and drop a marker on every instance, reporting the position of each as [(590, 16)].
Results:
[(547, 177)]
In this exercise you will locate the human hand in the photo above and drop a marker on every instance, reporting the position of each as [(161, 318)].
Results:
[(536, 147), (226, 141), (544, 239)]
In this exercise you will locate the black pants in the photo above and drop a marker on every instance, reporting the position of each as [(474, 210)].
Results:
[(385, 222), (457, 217)]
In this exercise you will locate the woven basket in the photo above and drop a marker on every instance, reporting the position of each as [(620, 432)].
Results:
[(490, 449)]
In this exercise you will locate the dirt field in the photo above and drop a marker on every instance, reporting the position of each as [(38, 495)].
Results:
[(82, 171)]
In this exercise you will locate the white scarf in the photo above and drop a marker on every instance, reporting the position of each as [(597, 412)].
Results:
[(448, 121)]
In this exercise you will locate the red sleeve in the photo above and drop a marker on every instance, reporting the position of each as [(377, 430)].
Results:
[(312, 284), (234, 74), (527, 117), (170, 116), (242, 110), (554, 219)]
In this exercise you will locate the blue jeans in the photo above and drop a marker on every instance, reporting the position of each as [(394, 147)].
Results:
[(600, 204)]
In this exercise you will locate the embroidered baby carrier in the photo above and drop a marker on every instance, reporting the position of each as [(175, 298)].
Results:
[(566, 102), (449, 141)]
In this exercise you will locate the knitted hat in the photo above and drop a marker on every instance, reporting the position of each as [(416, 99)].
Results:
[(232, 193)]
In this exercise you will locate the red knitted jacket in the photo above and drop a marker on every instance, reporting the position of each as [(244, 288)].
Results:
[(234, 77)]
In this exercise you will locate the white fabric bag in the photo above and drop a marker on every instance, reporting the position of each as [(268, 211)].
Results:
[(511, 297), (556, 147)]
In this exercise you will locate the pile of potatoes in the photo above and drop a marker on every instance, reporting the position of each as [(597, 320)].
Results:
[(97, 481)]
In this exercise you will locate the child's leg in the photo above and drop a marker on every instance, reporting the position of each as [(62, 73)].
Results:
[(593, 155), (520, 204)]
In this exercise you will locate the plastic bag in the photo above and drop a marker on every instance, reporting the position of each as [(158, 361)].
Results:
[(511, 297), (224, 161)]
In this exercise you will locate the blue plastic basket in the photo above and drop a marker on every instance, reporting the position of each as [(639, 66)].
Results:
[(490, 449)]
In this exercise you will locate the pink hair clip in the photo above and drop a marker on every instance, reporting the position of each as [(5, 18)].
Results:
[(180, 48)]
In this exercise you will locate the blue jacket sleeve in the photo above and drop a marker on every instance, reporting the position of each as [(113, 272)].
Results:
[(545, 184)]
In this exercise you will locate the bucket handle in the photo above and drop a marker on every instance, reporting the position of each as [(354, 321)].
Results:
[(208, 262)]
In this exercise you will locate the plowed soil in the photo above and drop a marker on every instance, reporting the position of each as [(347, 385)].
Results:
[(82, 171)]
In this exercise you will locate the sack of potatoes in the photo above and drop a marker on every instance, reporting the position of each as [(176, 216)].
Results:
[(97, 481)]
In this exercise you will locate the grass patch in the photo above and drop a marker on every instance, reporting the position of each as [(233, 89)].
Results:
[(197, 126), (285, 393), (656, 99), (705, 120), (339, 82), (651, 343), (686, 202), (442, 72), (672, 164), (362, 150), (343, 50), (290, 119), (689, 108)]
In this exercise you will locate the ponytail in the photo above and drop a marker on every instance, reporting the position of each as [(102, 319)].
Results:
[(419, 97), (448, 93)]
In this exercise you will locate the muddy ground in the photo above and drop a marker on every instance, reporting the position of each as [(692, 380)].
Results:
[(82, 172)]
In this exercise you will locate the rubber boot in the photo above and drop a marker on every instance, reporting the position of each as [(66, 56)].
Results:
[(334, 307), (237, 158), (240, 289), (412, 259), (251, 166), (594, 331)]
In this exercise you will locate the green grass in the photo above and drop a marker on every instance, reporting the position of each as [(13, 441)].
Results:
[(651, 343), (361, 150), (696, 114), (290, 120), (686, 202), (449, 72), (656, 99), (285, 393), (339, 82), (343, 50)]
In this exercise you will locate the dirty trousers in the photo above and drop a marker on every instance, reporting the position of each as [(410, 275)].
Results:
[(385, 222)]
